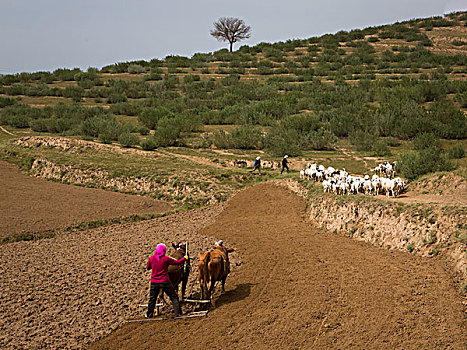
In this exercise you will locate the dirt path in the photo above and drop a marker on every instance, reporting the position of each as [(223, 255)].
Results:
[(352, 155), (195, 159), (412, 197), (6, 131), (29, 204), (302, 288)]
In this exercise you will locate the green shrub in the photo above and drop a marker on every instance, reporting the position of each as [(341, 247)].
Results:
[(247, 137), (362, 140), (116, 98), (149, 117), (281, 141), (381, 149), (143, 130), (221, 139), (342, 124), (429, 160), (153, 76), (136, 69), (458, 42), (74, 92), (166, 136), (188, 79), (321, 139), (128, 140), (105, 127), (456, 152), (148, 144), (125, 108), (17, 121), (39, 125), (106, 137), (426, 140), (6, 101)]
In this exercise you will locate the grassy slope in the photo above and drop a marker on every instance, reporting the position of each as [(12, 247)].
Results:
[(183, 170)]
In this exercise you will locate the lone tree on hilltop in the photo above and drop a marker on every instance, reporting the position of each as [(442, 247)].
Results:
[(230, 29)]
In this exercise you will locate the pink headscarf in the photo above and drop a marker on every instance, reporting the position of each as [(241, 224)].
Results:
[(161, 249)]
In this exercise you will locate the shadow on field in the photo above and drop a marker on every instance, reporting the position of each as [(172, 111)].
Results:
[(240, 292)]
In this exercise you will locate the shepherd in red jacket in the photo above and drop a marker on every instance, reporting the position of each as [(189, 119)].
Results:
[(159, 264)]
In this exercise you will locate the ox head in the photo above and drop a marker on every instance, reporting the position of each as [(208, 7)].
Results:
[(179, 246)]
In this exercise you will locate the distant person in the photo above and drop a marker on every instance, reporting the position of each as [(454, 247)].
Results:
[(159, 264), (257, 165), (285, 164)]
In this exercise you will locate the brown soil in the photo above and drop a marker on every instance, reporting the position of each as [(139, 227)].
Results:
[(28, 204), (300, 287), (68, 291)]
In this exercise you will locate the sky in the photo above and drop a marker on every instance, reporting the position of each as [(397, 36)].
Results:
[(49, 34)]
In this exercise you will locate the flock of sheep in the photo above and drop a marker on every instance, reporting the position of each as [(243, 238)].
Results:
[(341, 182)]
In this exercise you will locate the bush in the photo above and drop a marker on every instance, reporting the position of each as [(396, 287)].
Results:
[(322, 139), (221, 139), (153, 76), (5, 101), (148, 144), (143, 130), (281, 141), (247, 137), (128, 140), (74, 92), (149, 117), (106, 137), (105, 127), (426, 140), (456, 152), (381, 149), (413, 165), (342, 125), (125, 108), (166, 136), (136, 69), (116, 98), (362, 140), (39, 125), (188, 79)]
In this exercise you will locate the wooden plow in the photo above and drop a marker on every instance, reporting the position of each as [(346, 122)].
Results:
[(197, 302), (192, 314)]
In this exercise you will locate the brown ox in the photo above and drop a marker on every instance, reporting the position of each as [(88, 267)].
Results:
[(177, 273), (213, 267)]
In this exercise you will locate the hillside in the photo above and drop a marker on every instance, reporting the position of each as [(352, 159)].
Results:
[(381, 84), (177, 138)]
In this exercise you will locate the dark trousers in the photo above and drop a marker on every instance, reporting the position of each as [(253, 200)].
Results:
[(168, 288), (285, 167), (257, 167)]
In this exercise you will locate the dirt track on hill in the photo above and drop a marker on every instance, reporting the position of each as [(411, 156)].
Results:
[(303, 288), (29, 204)]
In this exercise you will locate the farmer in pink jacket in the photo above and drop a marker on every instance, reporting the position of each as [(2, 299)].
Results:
[(159, 263)]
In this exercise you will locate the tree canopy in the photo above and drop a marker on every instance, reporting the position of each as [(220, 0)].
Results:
[(230, 29)]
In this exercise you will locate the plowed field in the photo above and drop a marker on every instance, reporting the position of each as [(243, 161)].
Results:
[(29, 204), (302, 288)]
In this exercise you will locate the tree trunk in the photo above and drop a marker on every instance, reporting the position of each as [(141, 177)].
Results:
[(231, 46)]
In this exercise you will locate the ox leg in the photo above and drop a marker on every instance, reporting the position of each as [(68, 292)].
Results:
[(212, 285), (223, 284), (204, 291)]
